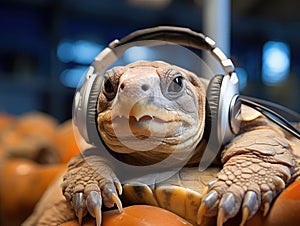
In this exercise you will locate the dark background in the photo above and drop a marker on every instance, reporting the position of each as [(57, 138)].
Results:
[(32, 30)]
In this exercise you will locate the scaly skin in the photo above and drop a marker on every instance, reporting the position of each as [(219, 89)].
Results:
[(256, 165)]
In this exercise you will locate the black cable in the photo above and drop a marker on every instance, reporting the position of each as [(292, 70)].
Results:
[(285, 124), (284, 109)]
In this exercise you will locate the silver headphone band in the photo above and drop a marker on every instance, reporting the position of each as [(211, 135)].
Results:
[(157, 35)]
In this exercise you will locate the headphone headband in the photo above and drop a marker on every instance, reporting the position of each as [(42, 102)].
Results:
[(156, 35), (180, 36)]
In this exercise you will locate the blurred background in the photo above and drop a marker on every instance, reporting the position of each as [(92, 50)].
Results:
[(46, 45)]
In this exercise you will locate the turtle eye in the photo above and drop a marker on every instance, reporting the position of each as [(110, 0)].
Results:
[(176, 85), (109, 89)]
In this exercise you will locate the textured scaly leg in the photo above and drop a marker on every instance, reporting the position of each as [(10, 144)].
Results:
[(87, 189), (257, 166)]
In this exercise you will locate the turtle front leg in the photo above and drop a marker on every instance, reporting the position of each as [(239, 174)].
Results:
[(86, 188), (257, 166)]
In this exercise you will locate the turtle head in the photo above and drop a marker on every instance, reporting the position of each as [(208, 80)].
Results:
[(151, 106)]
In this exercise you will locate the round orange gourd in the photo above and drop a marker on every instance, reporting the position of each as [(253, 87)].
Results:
[(22, 183), (5, 120), (1, 153), (36, 123), (137, 215), (68, 142), (31, 136)]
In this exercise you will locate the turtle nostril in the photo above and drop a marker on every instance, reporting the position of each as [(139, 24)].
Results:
[(122, 86), (145, 87)]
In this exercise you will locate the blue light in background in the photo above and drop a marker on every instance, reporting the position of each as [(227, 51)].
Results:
[(85, 51), (65, 51), (242, 76), (81, 51), (276, 62), (137, 53), (72, 77)]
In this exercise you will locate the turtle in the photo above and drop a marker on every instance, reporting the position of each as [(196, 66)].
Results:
[(164, 106)]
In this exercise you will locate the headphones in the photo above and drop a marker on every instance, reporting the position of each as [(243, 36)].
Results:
[(223, 99)]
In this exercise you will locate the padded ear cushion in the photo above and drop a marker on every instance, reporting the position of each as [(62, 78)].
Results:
[(213, 98), (85, 111), (92, 124), (211, 120)]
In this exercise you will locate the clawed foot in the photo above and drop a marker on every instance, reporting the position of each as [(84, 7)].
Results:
[(88, 190), (244, 186)]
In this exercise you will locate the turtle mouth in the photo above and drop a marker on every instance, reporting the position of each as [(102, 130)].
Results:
[(146, 124), (142, 121), (146, 113), (146, 118), (141, 113)]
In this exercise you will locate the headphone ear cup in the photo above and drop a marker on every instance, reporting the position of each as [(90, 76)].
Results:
[(92, 124), (85, 108), (213, 98)]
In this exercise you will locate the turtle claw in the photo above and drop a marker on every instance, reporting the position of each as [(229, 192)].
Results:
[(207, 203), (79, 206), (267, 199), (94, 204), (201, 211), (279, 183), (245, 216), (206, 189), (118, 185), (110, 195), (266, 209), (251, 202), (250, 206), (210, 199), (221, 217), (79, 214), (98, 216), (117, 201), (229, 206)]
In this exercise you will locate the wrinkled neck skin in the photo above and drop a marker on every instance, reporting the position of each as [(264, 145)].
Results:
[(150, 111)]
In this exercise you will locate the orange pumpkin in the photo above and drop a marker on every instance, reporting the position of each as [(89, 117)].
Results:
[(36, 123), (1, 153), (31, 136), (5, 120), (66, 141), (22, 183), (137, 215), (26, 144)]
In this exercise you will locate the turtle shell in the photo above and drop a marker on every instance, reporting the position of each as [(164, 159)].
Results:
[(180, 194)]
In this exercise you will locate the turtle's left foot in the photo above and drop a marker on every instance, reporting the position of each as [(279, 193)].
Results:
[(86, 189), (246, 183)]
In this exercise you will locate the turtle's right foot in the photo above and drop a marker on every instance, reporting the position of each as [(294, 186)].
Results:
[(86, 189), (244, 184)]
